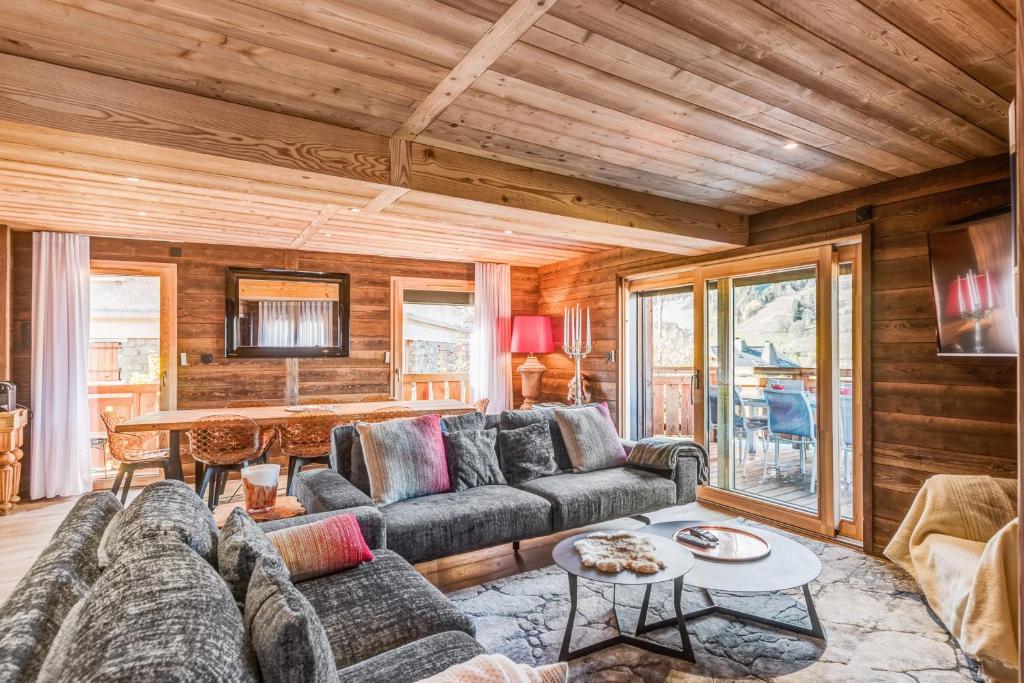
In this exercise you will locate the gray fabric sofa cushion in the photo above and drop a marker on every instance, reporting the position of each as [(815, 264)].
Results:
[(289, 642), (589, 497), (415, 661), (58, 579), (158, 613), (526, 453), (165, 509), (591, 438), (240, 545), (323, 489), (379, 606), (472, 458), (472, 422), (447, 523)]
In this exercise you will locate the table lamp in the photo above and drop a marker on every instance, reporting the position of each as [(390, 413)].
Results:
[(531, 334)]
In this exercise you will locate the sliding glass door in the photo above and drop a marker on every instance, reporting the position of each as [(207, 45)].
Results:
[(757, 359), (665, 364)]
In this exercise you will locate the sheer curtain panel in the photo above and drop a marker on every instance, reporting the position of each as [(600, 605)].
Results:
[(60, 365), (490, 358)]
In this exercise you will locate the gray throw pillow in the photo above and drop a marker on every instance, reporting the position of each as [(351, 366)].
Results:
[(472, 458), (158, 613), (591, 438), (342, 438), (241, 545), (165, 509), (360, 478), (527, 453), (460, 423), (285, 632)]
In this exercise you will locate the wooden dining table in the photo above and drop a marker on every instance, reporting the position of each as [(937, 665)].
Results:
[(174, 422)]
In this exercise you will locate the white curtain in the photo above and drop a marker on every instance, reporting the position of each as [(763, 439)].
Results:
[(60, 365), (490, 357), (296, 323)]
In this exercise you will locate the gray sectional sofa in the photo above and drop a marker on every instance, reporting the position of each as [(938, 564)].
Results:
[(161, 611), (434, 526)]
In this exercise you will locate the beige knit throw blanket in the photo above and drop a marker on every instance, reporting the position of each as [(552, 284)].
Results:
[(952, 521), (500, 669)]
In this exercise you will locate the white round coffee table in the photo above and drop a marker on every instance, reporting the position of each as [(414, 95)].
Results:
[(788, 565), (678, 561)]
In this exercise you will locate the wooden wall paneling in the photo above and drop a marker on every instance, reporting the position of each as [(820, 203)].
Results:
[(200, 323), (920, 421)]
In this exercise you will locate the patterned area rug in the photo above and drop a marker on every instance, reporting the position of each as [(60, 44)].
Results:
[(879, 628)]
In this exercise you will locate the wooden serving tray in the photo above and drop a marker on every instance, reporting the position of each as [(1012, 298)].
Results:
[(734, 544)]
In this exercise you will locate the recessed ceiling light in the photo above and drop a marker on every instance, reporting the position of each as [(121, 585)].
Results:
[(791, 145), (354, 210), (507, 232), (140, 213), (133, 179), (327, 234)]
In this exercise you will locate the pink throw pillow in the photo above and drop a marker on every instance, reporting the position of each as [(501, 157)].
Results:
[(323, 547)]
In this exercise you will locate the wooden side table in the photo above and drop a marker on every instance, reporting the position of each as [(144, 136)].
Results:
[(286, 506), (12, 433)]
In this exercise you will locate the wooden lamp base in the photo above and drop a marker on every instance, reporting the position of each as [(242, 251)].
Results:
[(532, 371)]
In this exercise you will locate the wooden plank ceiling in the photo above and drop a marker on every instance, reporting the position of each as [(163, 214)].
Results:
[(739, 105)]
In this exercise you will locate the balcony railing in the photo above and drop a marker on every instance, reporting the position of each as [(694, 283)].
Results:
[(435, 386)]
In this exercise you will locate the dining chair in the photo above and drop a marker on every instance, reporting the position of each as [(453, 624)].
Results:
[(267, 432), (223, 444), (745, 426), (790, 419), (306, 441), (131, 452)]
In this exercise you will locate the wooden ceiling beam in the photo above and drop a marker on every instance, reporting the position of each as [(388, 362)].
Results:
[(55, 97), (325, 215), (509, 27)]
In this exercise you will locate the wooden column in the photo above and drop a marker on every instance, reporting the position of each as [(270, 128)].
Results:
[(5, 302), (12, 428)]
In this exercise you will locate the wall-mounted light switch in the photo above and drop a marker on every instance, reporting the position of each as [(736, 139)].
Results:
[(184, 359), (609, 356), (387, 357)]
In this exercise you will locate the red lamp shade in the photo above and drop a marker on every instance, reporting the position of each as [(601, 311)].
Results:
[(532, 334)]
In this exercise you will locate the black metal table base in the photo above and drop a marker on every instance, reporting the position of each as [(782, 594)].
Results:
[(817, 629), (686, 652)]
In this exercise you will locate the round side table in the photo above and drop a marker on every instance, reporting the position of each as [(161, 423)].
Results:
[(789, 565), (678, 561)]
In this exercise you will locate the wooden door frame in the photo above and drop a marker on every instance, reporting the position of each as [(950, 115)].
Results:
[(627, 362), (824, 254), (168, 274), (398, 285)]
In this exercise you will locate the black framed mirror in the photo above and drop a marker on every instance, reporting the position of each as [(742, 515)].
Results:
[(285, 314)]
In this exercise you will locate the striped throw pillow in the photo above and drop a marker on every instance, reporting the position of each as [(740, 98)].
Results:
[(323, 547), (404, 458)]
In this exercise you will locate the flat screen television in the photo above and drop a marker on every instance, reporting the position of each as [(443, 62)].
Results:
[(972, 266)]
